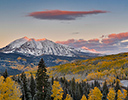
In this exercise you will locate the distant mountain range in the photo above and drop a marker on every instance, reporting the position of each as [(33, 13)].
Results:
[(38, 47), (24, 54)]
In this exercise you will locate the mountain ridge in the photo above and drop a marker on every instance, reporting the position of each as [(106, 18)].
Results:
[(38, 47)]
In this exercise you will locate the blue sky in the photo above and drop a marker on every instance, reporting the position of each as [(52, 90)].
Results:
[(15, 22)]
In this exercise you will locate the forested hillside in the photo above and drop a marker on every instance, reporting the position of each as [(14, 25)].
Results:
[(41, 87), (95, 68), (15, 63)]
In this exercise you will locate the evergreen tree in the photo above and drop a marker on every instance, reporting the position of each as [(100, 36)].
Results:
[(41, 81), (65, 88), (78, 92), (52, 80), (73, 88), (5, 74), (32, 86), (25, 88), (105, 91), (48, 95)]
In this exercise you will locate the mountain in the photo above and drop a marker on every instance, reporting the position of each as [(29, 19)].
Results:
[(38, 47)]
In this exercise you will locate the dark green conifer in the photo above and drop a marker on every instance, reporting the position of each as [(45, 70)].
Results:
[(25, 88), (32, 86), (117, 87), (52, 80), (41, 81), (5, 74), (73, 88), (105, 91)]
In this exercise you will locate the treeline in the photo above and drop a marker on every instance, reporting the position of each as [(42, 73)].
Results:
[(41, 88)]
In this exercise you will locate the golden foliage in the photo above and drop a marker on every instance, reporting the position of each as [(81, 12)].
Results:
[(125, 93), (83, 97), (120, 95), (57, 91), (68, 97), (111, 94), (95, 94), (9, 89)]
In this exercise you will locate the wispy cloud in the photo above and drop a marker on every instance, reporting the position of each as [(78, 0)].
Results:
[(113, 43), (62, 15), (75, 33)]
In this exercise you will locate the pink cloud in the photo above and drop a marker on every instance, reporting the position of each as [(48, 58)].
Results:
[(119, 36), (114, 38), (66, 42), (63, 15), (91, 50), (93, 40), (109, 44), (107, 41)]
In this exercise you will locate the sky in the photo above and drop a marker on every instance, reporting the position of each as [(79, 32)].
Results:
[(96, 25)]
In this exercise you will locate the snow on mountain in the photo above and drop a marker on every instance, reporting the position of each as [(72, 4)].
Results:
[(39, 47)]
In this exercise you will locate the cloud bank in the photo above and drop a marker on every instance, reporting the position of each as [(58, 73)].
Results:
[(62, 15), (113, 43)]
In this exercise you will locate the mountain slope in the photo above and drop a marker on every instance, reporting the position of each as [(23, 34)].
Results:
[(94, 68), (15, 63), (38, 47)]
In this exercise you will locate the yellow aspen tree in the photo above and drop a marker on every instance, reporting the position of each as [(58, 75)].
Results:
[(90, 95), (57, 91), (83, 97), (9, 89), (95, 94), (120, 95), (1, 88), (111, 94), (68, 97), (125, 93)]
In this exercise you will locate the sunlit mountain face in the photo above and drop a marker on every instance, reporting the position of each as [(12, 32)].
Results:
[(38, 47)]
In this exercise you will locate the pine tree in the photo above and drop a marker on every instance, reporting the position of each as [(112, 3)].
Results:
[(52, 80), (41, 81), (48, 95), (5, 74), (25, 88), (111, 94), (78, 92), (57, 91), (105, 91), (32, 86), (83, 97), (73, 88), (9, 89)]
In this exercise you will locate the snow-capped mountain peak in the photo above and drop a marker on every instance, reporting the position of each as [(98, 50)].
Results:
[(39, 47)]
